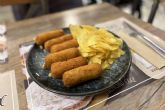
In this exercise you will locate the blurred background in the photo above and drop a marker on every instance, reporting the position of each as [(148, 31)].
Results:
[(152, 11)]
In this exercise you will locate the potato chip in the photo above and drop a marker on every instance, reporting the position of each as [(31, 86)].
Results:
[(75, 30), (89, 28), (97, 44)]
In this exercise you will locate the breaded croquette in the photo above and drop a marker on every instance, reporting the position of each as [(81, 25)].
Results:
[(64, 45), (57, 69), (45, 36), (58, 40), (81, 74), (60, 56)]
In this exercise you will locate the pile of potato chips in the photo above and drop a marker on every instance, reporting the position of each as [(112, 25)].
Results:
[(97, 44)]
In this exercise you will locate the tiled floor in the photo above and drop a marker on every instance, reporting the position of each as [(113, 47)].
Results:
[(159, 20), (7, 17)]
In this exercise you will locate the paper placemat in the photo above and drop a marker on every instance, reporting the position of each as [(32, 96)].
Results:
[(8, 91), (140, 71)]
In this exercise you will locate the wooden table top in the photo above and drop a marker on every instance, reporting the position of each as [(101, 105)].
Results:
[(24, 31)]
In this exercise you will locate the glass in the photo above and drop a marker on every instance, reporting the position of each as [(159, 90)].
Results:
[(3, 45)]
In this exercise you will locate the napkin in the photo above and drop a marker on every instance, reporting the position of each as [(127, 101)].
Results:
[(41, 99), (149, 69), (8, 91), (143, 50)]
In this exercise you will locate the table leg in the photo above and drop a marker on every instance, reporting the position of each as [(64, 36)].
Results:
[(136, 7)]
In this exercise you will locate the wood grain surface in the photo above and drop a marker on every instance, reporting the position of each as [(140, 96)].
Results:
[(24, 31)]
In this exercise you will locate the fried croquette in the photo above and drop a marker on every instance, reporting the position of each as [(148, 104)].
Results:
[(57, 69), (58, 40), (81, 74), (45, 36), (65, 45), (60, 56)]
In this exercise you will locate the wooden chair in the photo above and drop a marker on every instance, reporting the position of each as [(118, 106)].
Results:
[(22, 11), (15, 2)]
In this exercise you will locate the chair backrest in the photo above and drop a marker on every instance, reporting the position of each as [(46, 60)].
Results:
[(14, 2)]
